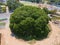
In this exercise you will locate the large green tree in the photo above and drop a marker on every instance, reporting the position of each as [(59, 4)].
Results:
[(29, 22)]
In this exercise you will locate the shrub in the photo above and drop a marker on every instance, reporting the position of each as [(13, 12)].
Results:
[(53, 11), (2, 23), (0, 9), (13, 4), (29, 23), (3, 9), (2, 3)]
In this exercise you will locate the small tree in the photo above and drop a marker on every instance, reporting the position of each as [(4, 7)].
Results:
[(29, 23), (13, 4)]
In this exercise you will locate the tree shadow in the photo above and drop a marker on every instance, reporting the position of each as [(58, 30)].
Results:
[(10, 11), (28, 39), (12, 35)]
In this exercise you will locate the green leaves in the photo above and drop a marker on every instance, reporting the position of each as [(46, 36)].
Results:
[(29, 22), (13, 4)]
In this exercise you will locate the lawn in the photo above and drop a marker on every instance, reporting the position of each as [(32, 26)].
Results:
[(2, 23)]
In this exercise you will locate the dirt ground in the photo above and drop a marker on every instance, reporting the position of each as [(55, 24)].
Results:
[(53, 39)]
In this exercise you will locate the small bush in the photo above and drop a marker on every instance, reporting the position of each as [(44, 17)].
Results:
[(3, 9), (2, 23), (2, 3), (53, 11)]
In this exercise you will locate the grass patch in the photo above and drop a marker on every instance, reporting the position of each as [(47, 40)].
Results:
[(2, 23), (49, 27), (32, 42)]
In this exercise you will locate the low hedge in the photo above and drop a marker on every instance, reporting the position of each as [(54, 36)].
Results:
[(2, 9)]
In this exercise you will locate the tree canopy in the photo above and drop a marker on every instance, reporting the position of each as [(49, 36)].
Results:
[(29, 22)]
